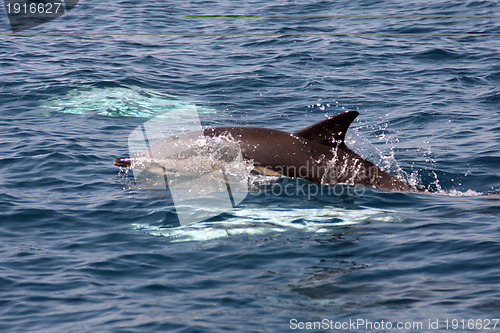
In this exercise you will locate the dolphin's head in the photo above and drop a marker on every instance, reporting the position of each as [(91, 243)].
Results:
[(124, 162)]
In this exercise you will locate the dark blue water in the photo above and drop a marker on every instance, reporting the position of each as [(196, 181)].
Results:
[(82, 249)]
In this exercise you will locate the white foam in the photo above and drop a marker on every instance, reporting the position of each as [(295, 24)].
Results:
[(265, 221), (456, 193)]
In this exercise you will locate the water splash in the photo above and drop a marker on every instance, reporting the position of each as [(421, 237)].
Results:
[(385, 160)]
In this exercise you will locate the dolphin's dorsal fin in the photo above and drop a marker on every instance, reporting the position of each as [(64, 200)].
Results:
[(330, 130)]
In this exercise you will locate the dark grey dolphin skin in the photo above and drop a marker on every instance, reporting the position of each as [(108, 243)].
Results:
[(317, 153)]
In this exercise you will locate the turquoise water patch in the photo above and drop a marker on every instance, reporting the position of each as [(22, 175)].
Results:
[(119, 102)]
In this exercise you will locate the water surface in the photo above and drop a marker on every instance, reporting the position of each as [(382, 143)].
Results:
[(82, 249)]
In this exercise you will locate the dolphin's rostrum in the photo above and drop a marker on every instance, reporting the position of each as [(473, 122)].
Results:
[(317, 153)]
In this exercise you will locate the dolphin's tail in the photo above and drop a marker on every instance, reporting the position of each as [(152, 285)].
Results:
[(124, 162)]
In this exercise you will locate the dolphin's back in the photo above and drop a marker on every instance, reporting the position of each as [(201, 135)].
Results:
[(317, 153), (320, 157), (275, 150)]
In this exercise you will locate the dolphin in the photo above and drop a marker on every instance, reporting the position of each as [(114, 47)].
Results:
[(317, 153)]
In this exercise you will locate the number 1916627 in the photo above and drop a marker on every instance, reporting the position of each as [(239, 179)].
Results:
[(33, 8), (471, 324)]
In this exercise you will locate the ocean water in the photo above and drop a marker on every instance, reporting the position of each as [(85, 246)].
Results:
[(83, 249)]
